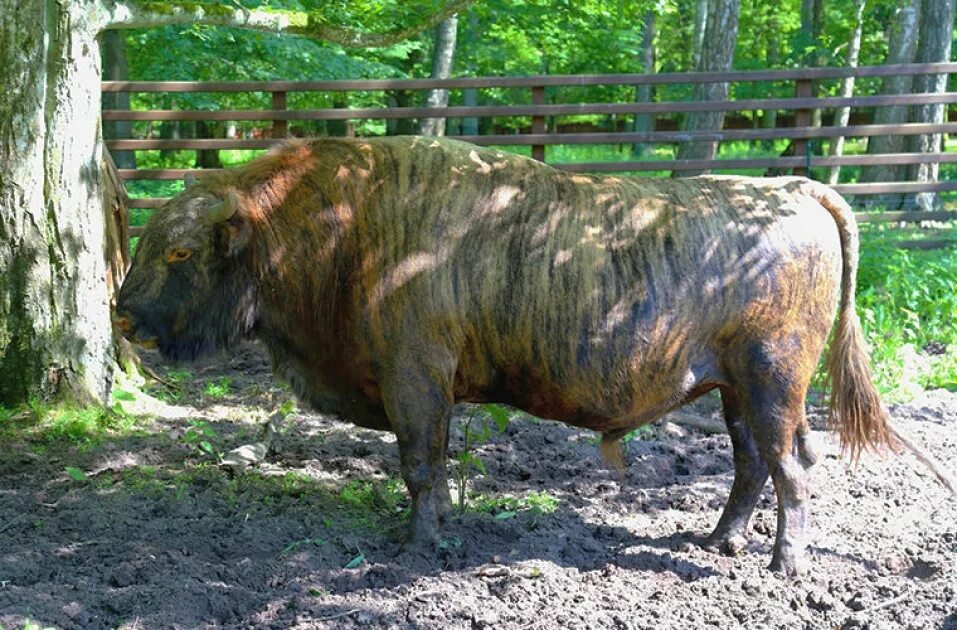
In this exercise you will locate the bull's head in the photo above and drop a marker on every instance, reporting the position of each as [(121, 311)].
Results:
[(188, 291)]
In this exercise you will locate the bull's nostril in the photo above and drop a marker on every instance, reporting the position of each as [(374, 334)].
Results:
[(125, 324)]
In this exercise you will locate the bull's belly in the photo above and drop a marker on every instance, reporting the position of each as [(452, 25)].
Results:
[(598, 400)]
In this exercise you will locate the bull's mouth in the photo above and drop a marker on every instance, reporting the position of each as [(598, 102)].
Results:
[(147, 344)]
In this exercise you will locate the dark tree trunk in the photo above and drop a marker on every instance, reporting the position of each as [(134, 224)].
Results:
[(936, 36), (208, 158), (399, 126), (901, 48), (470, 125), (644, 93), (717, 55), (113, 50)]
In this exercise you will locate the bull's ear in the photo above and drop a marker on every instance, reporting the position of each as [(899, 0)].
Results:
[(189, 180), (232, 229)]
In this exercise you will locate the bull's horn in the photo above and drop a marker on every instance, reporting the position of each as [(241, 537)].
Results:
[(225, 209)]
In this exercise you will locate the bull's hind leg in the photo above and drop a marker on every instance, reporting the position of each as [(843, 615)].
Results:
[(772, 403), (750, 475)]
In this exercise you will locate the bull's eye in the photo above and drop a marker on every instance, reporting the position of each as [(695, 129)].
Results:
[(178, 254)]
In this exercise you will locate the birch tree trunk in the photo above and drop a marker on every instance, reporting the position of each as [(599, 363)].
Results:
[(901, 48), (700, 23), (847, 87), (936, 36), (56, 339), (717, 54), (645, 93), (442, 57)]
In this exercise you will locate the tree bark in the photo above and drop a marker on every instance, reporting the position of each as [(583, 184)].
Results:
[(55, 334), (847, 87), (470, 124), (208, 158), (644, 93), (901, 48), (442, 57), (56, 339), (700, 24), (769, 118), (113, 51), (936, 35), (717, 54)]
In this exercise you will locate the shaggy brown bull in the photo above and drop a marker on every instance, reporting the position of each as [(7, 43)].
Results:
[(391, 278)]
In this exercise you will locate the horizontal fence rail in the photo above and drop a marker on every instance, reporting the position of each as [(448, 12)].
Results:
[(543, 130)]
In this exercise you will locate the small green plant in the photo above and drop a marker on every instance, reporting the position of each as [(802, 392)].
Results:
[(218, 388), (75, 473), (506, 507), (356, 561), (477, 430), (199, 437), (299, 544)]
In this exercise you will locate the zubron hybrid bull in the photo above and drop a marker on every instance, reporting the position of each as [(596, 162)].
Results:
[(391, 278)]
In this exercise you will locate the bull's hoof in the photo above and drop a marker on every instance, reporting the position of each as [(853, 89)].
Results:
[(788, 565), (731, 545)]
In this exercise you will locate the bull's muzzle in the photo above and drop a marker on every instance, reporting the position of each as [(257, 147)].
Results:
[(137, 334)]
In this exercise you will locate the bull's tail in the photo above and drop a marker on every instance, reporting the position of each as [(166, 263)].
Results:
[(855, 409), (856, 412)]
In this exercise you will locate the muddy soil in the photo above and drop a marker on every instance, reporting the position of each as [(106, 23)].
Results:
[(158, 535)]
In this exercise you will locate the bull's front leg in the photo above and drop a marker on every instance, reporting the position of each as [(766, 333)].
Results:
[(418, 401)]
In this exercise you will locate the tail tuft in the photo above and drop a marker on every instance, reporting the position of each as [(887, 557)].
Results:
[(610, 450), (855, 410)]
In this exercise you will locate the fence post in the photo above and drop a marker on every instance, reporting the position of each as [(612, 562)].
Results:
[(280, 128), (802, 118), (538, 122)]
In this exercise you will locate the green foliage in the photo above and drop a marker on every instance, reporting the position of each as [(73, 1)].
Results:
[(200, 437), (477, 430), (83, 427), (907, 302), (218, 388), (375, 497), (505, 507), (75, 473)]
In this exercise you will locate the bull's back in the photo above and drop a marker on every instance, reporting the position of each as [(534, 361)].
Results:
[(595, 300), (588, 299)]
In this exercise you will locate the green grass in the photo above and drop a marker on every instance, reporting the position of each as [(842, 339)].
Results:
[(84, 427)]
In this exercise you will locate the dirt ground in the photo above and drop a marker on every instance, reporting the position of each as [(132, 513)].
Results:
[(159, 536)]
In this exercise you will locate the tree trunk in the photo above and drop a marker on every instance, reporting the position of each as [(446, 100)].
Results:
[(901, 48), (936, 35), (717, 54), (470, 124), (644, 93), (700, 24), (208, 158), (769, 118), (442, 56), (113, 50), (847, 88), (55, 333)]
